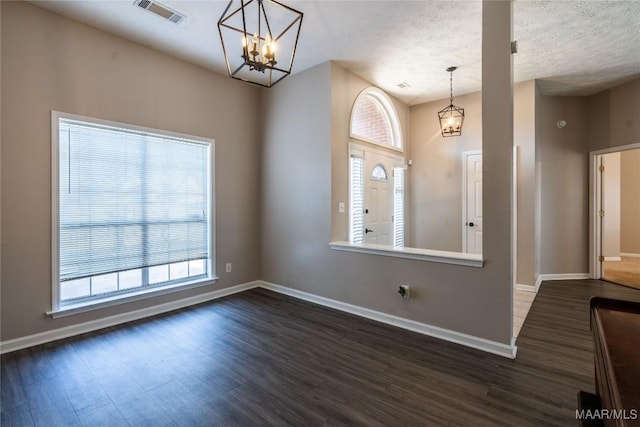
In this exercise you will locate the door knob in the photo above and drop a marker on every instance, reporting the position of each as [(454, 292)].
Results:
[(470, 224), (366, 230)]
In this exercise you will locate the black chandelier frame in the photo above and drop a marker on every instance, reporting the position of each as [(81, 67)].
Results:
[(270, 67), (451, 111)]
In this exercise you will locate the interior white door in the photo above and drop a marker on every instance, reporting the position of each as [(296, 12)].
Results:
[(473, 215), (378, 199)]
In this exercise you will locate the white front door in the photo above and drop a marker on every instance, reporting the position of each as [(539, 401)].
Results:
[(378, 199), (473, 194)]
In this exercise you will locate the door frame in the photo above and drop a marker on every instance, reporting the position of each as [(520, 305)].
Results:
[(465, 161), (595, 203)]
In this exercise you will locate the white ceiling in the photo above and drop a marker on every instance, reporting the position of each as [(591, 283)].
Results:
[(572, 47)]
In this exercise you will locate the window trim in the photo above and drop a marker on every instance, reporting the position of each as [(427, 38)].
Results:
[(57, 308), (389, 109)]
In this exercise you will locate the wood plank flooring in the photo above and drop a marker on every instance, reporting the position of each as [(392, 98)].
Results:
[(260, 358), (625, 272), (522, 301)]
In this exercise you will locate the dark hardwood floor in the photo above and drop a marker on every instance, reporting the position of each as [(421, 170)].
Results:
[(260, 358)]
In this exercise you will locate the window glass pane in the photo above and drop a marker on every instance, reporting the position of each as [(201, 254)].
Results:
[(379, 173), (371, 122), (129, 199), (197, 267), (133, 207), (130, 279), (178, 270), (158, 274), (75, 289), (104, 283)]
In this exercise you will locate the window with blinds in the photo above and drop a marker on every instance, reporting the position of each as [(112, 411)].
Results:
[(398, 207), (356, 199), (133, 209)]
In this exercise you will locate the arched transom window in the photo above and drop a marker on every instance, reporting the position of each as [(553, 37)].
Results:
[(374, 119)]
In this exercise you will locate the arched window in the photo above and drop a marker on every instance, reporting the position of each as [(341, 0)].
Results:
[(374, 119), (379, 173)]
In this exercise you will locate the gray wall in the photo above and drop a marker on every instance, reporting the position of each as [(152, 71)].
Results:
[(52, 63), (562, 155), (305, 163)]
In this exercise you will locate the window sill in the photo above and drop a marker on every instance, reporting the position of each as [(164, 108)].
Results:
[(456, 258), (69, 309)]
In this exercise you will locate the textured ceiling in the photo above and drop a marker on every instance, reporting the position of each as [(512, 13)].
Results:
[(572, 47)]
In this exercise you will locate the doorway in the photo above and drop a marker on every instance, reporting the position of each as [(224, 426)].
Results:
[(616, 245)]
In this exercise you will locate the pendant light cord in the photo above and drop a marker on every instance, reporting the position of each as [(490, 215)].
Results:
[(451, 87)]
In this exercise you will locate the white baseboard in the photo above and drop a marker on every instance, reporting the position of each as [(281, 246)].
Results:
[(542, 277), (629, 254), (93, 325), (527, 288), (565, 276), (505, 350), (613, 258)]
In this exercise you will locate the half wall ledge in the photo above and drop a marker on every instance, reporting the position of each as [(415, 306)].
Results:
[(446, 257)]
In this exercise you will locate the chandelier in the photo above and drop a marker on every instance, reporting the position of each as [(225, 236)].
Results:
[(259, 40), (451, 117)]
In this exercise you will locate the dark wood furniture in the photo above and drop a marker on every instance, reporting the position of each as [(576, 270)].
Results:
[(615, 326)]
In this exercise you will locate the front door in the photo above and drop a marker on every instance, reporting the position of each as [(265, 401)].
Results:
[(378, 199)]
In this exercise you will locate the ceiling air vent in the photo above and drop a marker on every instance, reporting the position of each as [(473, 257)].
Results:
[(160, 10)]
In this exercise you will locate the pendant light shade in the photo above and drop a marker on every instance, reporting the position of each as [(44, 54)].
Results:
[(451, 117), (259, 40)]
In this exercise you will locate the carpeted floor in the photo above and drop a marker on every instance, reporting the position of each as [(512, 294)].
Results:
[(625, 272)]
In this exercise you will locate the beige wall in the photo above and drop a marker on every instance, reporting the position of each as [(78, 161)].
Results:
[(614, 117), (630, 201), (304, 171), (611, 206), (524, 137), (562, 156), (435, 177), (52, 63)]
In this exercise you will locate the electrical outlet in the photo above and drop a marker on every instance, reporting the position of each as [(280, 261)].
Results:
[(341, 207), (403, 290), (228, 267)]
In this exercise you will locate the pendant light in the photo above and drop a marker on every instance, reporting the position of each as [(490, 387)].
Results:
[(259, 40), (451, 117)]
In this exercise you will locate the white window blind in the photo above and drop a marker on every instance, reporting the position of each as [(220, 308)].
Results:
[(129, 199), (398, 207), (357, 199)]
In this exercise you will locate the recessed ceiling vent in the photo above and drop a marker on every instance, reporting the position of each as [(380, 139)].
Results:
[(160, 10)]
